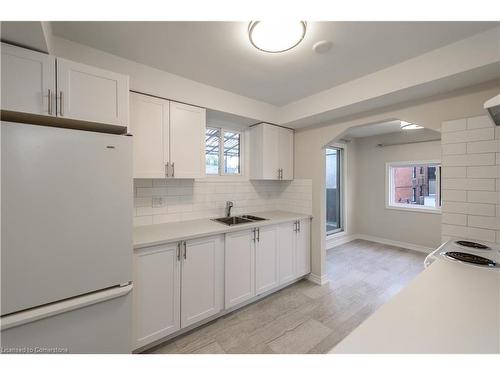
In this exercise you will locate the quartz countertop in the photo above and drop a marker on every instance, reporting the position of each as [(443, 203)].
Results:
[(449, 308), (150, 235)]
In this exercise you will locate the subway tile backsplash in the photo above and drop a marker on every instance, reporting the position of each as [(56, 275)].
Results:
[(471, 168), (163, 201)]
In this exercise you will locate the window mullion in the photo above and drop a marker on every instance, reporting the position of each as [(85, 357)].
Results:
[(221, 152)]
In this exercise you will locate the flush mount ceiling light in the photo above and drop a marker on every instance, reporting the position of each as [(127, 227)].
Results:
[(409, 126), (276, 36)]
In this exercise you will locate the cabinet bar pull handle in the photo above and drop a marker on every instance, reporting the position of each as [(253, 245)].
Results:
[(173, 169), (258, 234), (185, 250), (178, 251), (166, 169), (298, 225), (254, 230), (61, 111), (295, 226), (49, 105)]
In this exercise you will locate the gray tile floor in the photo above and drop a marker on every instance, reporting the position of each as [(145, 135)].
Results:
[(305, 317)]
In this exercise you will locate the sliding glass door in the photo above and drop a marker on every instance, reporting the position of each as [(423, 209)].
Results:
[(333, 190)]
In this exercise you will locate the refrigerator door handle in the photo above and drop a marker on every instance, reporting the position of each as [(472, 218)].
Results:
[(56, 308)]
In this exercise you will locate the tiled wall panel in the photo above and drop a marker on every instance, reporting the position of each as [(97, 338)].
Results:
[(162, 201), (471, 179)]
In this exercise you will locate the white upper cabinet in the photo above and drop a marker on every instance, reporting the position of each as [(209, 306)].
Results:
[(40, 84), (156, 293), (202, 291), (91, 94), (169, 138), (149, 123), (272, 152), (28, 81), (285, 153), (187, 140), (303, 247), (266, 259)]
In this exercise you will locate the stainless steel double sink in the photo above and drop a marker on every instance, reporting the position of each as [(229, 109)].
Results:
[(235, 220)]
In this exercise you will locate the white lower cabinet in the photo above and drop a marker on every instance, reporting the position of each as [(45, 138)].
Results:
[(266, 259), (202, 282), (239, 267), (286, 251), (303, 247), (156, 293), (179, 284), (294, 250), (176, 285)]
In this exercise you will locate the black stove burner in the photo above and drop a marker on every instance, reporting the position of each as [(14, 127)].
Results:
[(470, 258), (473, 245)]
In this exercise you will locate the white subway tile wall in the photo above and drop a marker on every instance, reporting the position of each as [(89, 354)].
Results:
[(163, 201), (471, 179)]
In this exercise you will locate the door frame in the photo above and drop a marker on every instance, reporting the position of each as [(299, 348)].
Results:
[(341, 175)]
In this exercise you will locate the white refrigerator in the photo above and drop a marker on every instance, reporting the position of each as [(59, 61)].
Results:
[(66, 237)]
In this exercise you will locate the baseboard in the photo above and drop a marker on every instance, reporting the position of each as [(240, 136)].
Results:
[(320, 280), (386, 241), (339, 239)]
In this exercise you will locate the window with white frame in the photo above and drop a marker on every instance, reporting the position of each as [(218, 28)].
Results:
[(414, 185), (222, 152)]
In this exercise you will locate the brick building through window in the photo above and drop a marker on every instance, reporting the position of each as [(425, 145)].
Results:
[(414, 185)]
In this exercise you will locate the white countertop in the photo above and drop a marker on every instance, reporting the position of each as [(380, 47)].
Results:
[(150, 235), (448, 308)]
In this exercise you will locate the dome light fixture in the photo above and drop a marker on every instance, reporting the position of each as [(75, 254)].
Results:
[(409, 126), (276, 36)]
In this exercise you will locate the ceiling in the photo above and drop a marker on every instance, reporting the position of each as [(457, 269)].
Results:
[(219, 54), (29, 34), (220, 119), (370, 130), (392, 126)]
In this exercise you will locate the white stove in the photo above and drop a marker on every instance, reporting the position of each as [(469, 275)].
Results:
[(469, 253)]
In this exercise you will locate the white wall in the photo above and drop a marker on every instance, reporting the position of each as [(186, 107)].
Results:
[(371, 216), (153, 81), (310, 158)]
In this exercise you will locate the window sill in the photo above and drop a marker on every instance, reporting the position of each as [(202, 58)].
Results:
[(414, 209)]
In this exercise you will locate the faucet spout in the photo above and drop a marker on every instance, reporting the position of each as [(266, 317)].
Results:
[(229, 205)]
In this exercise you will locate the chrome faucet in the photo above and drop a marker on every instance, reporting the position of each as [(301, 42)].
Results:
[(229, 205)]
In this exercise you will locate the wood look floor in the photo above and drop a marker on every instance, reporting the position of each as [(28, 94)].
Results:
[(305, 317)]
